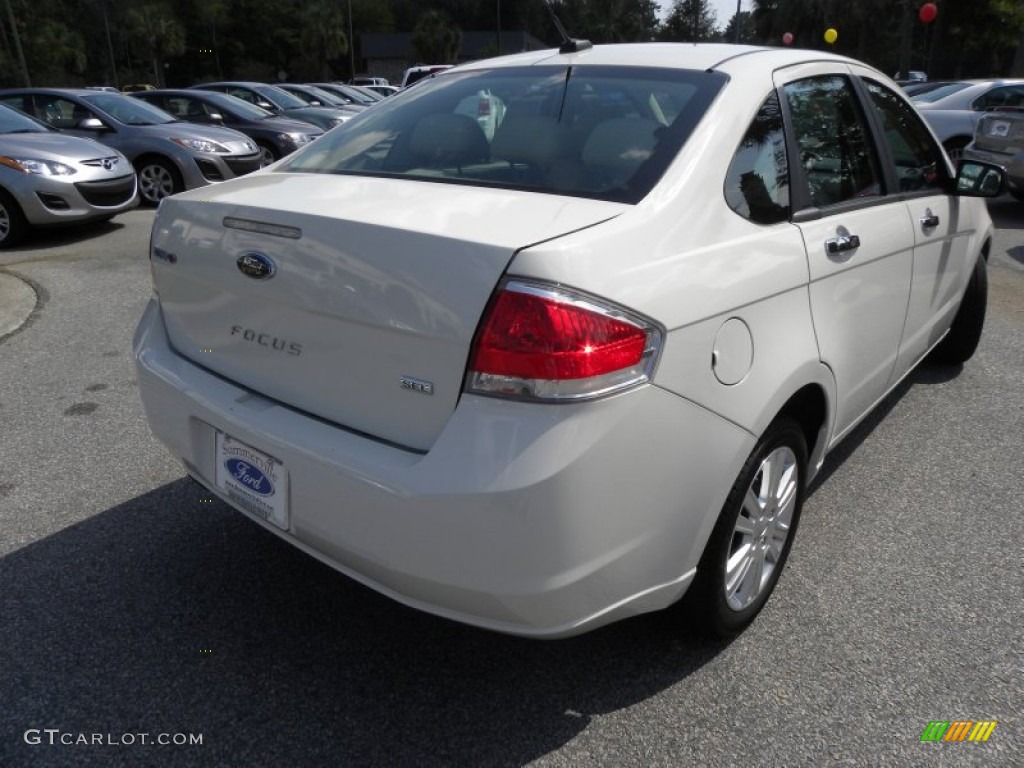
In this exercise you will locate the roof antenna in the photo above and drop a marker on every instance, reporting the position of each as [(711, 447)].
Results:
[(569, 45)]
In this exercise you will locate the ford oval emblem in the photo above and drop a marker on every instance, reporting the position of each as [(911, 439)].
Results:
[(256, 265), (249, 476)]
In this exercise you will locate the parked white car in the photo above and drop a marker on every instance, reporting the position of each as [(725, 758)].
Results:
[(545, 381)]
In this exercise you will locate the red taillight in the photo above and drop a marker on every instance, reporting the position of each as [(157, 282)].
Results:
[(541, 342)]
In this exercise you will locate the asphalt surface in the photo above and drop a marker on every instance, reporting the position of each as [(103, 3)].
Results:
[(129, 605)]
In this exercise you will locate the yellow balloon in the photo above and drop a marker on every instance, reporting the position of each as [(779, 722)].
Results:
[(831, 35)]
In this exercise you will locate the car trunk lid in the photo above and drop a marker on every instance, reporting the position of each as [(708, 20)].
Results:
[(376, 291)]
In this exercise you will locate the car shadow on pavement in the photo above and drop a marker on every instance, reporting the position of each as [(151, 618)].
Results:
[(925, 373), (174, 614), (1007, 212), (70, 234)]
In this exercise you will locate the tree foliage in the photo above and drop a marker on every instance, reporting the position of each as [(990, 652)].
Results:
[(691, 21), (436, 38), (65, 42)]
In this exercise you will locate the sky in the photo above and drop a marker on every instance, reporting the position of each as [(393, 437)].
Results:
[(726, 9)]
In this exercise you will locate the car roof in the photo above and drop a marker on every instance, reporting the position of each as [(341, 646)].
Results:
[(64, 91), (241, 83), (699, 56)]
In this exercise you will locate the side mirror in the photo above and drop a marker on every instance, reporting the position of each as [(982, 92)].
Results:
[(267, 105), (91, 124), (215, 117), (978, 179)]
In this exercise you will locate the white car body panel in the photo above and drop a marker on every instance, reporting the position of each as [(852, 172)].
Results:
[(381, 273)]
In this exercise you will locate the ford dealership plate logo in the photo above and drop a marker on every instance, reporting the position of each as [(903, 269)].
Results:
[(256, 265), (249, 476)]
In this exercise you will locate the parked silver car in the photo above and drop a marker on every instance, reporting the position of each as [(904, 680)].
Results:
[(49, 179), (999, 139), (169, 155), (954, 109)]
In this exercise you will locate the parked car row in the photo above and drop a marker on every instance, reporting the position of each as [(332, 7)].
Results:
[(178, 139), (155, 142), (954, 108)]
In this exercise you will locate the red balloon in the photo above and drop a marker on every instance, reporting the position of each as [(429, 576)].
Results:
[(928, 13), (787, 39)]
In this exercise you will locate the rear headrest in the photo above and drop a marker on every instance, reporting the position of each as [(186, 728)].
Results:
[(527, 139), (622, 143), (447, 139)]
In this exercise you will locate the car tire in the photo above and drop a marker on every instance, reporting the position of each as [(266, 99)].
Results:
[(964, 334), (157, 179), (268, 155), (754, 532), (13, 224)]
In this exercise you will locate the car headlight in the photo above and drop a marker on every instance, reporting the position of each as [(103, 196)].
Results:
[(35, 165), (298, 139), (201, 145)]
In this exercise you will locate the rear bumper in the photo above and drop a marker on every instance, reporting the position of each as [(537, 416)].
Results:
[(535, 520)]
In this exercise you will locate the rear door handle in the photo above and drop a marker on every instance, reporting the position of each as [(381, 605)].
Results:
[(929, 220), (842, 244)]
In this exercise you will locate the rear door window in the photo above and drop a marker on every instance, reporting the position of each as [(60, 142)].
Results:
[(833, 143)]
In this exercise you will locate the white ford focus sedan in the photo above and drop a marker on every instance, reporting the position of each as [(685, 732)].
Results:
[(564, 370)]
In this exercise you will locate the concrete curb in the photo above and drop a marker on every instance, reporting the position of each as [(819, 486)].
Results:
[(17, 301)]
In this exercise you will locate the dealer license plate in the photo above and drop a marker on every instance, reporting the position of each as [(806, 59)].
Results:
[(256, 482), (999, 128)]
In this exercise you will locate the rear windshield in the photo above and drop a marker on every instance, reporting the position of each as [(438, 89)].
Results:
[(602, 132)]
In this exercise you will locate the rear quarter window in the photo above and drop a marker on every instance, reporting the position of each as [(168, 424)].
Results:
[(757, 184)]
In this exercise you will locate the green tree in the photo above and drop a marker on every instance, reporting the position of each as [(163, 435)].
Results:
[(690, 21), (155, 33), (53, 51), (322, 36), (747, 32), (436, 39)]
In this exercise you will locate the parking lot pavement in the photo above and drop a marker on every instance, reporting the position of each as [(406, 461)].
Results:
[(130, 604)]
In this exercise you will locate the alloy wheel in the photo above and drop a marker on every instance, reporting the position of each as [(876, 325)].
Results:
[(155, 183), (762, 527)]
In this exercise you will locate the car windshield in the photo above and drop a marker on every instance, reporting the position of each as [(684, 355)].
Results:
[(603, 132), (354, 94), (240, 108), (365, 91), (928, 97), (13, 121), (127, 110), (281, 98), (311, 93), (339, 94)]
